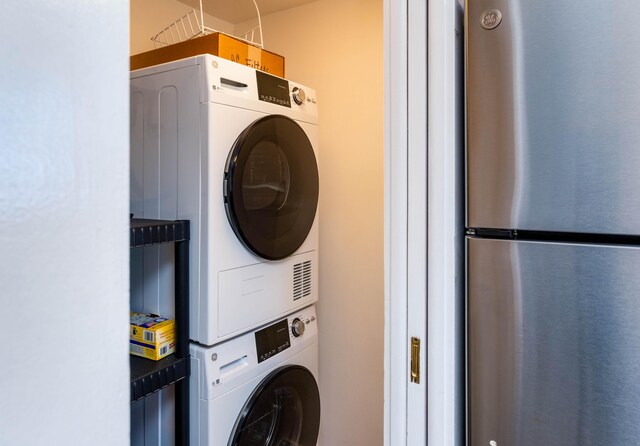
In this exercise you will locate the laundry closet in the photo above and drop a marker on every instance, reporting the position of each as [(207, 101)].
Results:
[(333, 52)]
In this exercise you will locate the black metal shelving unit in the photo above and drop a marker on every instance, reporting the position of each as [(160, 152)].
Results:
[(149, 376)]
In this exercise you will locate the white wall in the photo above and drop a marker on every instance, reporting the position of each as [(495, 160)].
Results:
[(149, 17), (64, 216), (336, 47)]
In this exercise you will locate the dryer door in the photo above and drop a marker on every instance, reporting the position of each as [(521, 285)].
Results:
[(283, 410), (271, 187)]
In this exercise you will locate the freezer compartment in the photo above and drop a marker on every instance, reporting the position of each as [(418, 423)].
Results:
[(553, 344), (554, 116)]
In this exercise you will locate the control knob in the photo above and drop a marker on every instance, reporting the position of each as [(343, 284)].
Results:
[(297, 327), (299, 95)]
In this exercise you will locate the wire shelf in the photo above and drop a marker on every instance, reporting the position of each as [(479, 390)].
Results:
[(191, 25)]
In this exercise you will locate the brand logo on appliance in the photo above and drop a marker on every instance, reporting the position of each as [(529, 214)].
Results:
[(490, 19)]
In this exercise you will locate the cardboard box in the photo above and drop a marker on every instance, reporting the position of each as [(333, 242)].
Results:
[(217, 44), (151, 336)]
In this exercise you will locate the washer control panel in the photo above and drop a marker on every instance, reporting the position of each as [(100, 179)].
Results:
[(240, 357), (281, 335), (272, 340)]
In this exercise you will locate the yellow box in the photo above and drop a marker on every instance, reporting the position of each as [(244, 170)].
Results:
[(151, 336), (218, 44)]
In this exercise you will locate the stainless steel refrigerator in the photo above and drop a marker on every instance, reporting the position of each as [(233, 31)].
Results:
[(553, 222)]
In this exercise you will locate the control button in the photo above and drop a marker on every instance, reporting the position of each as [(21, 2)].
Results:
[(224, 187), (297, 327), (299, 95)]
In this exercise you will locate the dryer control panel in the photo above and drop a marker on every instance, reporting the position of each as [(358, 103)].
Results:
[(273, 89), (230, 83)]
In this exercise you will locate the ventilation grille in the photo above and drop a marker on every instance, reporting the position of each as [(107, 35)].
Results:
[(301, 280)]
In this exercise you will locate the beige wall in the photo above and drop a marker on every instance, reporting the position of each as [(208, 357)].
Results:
[(336, 47), (149, 17)]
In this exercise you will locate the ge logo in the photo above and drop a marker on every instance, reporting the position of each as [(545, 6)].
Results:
[(490, 19), (493, 443)]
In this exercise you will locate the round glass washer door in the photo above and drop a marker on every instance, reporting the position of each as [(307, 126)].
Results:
[(284, 410), (271, 187)]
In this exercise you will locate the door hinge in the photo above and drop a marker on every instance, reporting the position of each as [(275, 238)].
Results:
[(415, 360)]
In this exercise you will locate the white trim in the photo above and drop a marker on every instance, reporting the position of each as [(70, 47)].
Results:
[(416, 181), (395, 233), (417, 223), (445, 239)]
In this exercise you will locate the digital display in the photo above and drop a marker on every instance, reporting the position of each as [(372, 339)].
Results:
[(272, 340), (273, 89)]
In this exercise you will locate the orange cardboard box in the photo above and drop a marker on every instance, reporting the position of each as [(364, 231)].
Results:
[(217, 44)]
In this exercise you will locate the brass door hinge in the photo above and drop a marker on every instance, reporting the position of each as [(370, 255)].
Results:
[(415, 360)]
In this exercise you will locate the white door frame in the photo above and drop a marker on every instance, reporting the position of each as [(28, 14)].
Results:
[(421, 183)]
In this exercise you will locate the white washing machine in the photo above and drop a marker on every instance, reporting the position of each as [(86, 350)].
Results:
[(234, 150), (259, 389)]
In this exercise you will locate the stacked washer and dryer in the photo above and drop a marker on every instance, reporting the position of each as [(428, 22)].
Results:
[(234, 150)]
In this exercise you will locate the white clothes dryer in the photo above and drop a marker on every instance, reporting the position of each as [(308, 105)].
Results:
[(233, 150), (259, 389)]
